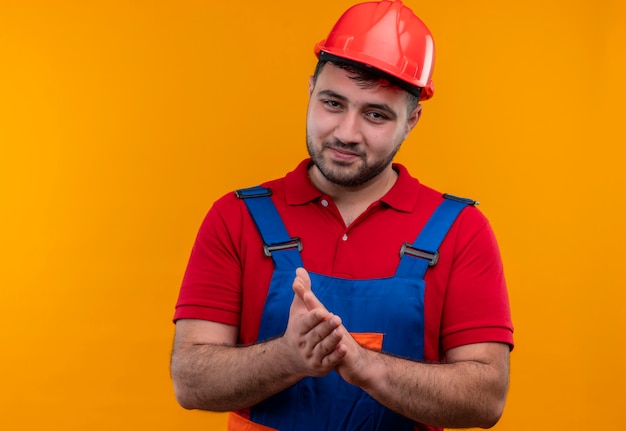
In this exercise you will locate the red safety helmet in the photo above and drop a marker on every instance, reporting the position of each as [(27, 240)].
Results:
[(387, 36)]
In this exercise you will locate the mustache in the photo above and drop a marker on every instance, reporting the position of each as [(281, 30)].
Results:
[(337, 144)]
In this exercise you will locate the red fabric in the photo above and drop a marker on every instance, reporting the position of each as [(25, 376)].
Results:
[(466, 299), (239, 423)]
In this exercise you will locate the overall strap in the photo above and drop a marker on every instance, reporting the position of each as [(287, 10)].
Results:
[(277, 244), (416, 258)]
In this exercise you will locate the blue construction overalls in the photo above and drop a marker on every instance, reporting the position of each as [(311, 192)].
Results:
[(393, 307)]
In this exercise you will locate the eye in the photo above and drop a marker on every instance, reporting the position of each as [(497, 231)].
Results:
[(332, 104), (377, 117)]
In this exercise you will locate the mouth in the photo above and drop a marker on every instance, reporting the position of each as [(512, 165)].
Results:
[(343, 153)]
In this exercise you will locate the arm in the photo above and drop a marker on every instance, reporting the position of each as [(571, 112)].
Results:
[(467, 391), (211, 373)]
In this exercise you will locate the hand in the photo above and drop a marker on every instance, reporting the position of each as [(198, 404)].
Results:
[(352, 357), (311, 337), (355, 366)]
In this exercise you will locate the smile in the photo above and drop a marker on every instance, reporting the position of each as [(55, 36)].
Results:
[(343, 155)]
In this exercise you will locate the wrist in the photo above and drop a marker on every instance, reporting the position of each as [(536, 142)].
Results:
[(372, 369), (282, 358)]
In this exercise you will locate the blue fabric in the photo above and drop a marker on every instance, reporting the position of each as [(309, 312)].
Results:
[(392, 306), (431, 237), (270, 225)]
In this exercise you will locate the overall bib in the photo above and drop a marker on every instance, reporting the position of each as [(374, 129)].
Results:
[(384, 313)]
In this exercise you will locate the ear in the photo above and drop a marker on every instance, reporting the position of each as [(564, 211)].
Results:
[(311, 85), (413, 118)]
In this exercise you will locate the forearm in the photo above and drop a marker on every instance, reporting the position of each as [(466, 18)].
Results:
[(222, 378), (469, 393)]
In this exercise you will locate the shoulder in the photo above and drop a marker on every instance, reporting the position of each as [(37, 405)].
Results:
[(469, 226), (470, 215), (231, 204), (469, 218), (290, 187)]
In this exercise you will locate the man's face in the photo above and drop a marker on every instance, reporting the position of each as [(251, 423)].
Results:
[(353, 133)]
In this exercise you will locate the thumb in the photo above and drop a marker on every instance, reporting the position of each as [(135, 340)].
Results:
[(302, 282), (302, 288), (304, 277)]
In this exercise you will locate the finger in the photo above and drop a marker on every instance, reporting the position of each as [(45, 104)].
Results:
[(335, 357), (305, 297), (318, 324), (298, 286), (326, 343), (325, 336), (302, 286), (303, 274), (332, 350), (311, 302), (297, 304), (301, 282)]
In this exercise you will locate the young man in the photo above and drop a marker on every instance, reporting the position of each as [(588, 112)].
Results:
[(400, 320)]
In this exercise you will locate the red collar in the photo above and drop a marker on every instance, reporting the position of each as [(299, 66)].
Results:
[(402, 196)]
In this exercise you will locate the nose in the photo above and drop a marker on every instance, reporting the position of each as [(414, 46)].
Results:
[(348, 129)]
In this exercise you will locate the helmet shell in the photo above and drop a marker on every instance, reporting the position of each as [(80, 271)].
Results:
[(387, 36)]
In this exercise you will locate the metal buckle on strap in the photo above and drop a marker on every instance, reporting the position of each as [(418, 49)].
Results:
[(408, 248), (460, 199), (253, 193), (294, 243)]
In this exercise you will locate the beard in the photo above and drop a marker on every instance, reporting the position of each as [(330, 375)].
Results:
[(342, 174)]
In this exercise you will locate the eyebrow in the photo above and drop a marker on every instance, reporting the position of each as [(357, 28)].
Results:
[(378, 106)]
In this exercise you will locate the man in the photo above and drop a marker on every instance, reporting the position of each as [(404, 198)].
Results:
[(400, 320)]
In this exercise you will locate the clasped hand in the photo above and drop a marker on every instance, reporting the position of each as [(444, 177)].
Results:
[(316, 338)]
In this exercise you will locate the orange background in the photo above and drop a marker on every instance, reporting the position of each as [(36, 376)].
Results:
[(121, 121)]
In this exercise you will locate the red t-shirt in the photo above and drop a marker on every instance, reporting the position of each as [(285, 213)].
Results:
[(228, 275)]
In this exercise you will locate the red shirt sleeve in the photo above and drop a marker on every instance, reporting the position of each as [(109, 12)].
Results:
[(210, 289), (476, 307)]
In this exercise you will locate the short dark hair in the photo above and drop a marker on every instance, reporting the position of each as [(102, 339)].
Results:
[(368, 77)]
